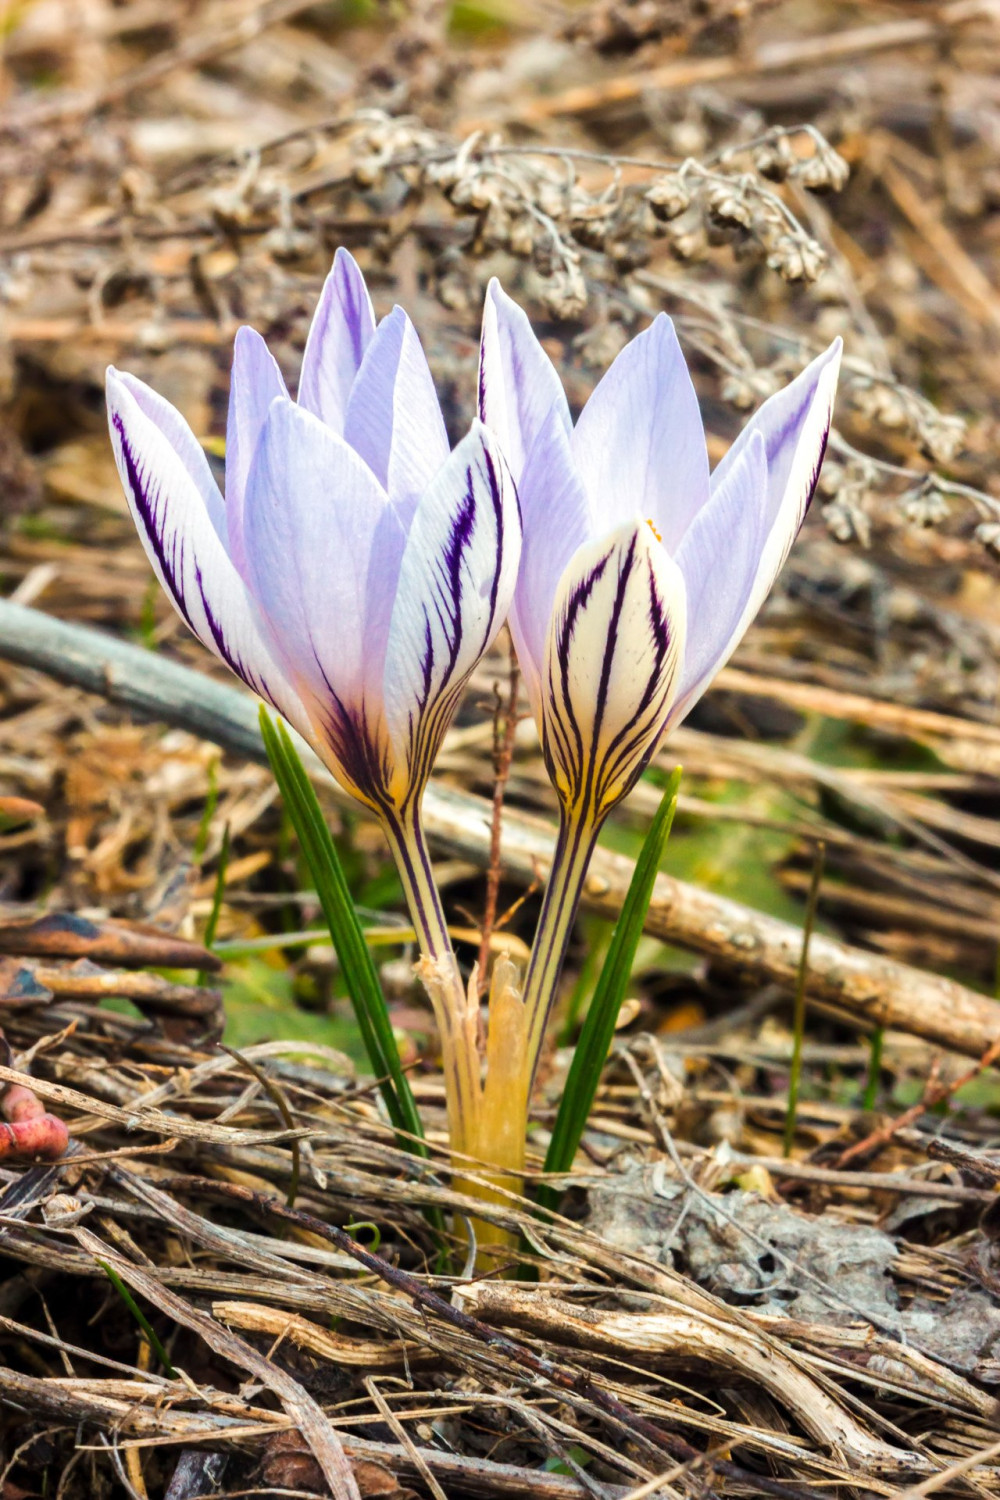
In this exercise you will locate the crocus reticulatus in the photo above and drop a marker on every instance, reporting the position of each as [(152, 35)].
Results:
[(640, 571), (357, 568)]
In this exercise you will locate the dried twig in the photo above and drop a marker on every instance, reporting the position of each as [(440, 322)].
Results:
[(303, 1409), (936, 1092)]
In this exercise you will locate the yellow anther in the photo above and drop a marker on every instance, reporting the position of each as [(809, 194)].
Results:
[(653, 529)]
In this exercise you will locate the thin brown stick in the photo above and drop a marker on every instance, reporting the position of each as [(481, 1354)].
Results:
[(504, 730), (935, 1093), (953, 268), (779, 56), (877, 1182), (302, 1408), (277, 1097)]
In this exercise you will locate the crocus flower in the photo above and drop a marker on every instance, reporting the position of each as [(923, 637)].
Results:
[(640, 570), (354, 573), (357, 568)]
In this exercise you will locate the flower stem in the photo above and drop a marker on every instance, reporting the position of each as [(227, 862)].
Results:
[(457, 1016), (577, 837)]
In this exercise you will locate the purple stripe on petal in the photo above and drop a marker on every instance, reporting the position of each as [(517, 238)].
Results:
[(612, 666), (455, 585), (356, 748), (575, 609), (144, 495), (630, 749), (174, 430), (795, 426), (186, 549), (738, 544)]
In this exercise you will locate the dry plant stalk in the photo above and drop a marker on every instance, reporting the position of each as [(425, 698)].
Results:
[(671, 1339)]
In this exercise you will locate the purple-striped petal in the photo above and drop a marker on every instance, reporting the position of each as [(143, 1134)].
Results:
[(175, 524), (639, 443), (612, 666), (342, 328), (255, 382), (555, 521), (520, 393), (720, 558), (179, 438), (456, 581), (393, 416)]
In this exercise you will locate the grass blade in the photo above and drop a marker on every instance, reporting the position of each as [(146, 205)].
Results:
[(345, 929), (799, 1021), (140, 1318), (599, 1026), (218, 896)]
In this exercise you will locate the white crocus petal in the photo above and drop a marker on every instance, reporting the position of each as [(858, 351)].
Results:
[(179, 437), (640, 441), (455, 585), (255, 382), (316, 522), (795, 425), (393, 416), (791, 430), (719, 557), (612, 665), (185, 548), (555, 522), (342, 328), (520, 392)]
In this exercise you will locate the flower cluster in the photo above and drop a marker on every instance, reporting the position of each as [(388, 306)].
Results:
[(358, 567)]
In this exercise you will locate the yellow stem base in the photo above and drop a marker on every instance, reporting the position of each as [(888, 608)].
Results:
[(502, 1114)]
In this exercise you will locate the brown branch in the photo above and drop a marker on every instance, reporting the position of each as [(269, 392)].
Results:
[(103, 1405), (301, 1408), (24, 934)]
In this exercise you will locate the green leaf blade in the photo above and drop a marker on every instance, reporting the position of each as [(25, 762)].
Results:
[(346, 932)]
